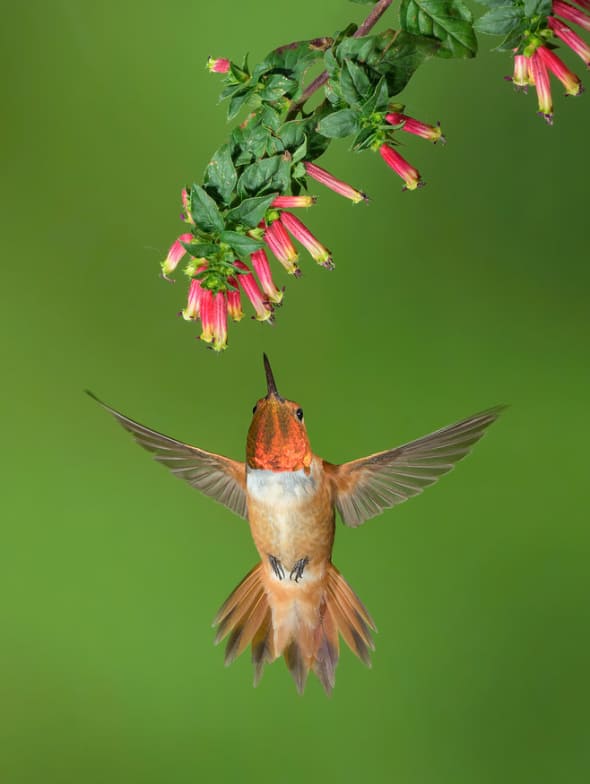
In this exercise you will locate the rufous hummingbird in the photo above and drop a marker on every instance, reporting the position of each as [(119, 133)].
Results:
[(295, 603)]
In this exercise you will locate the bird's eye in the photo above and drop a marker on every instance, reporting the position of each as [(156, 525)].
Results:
[(254, 409), (299, 414)]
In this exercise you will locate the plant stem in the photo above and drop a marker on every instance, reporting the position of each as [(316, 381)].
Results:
[(371, 20)]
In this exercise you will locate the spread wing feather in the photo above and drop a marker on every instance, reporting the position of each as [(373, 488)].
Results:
[(218, 477), (366, 487)]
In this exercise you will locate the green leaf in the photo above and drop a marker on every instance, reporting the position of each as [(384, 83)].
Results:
[(267, 174), (220, 176), (292, 133), (495, 3), (379, 100), (402, 57), (359, 78), (241, 243), (297, 57), (339, 124), (251, 211), (239, 98), (363, 140), (201, 250), (450, 21), (301, 151), (276, 86), (537, 7), (205, 211), (500, 20), (513, 40)]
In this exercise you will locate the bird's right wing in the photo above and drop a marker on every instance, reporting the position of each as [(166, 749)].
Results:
[(218, 477)]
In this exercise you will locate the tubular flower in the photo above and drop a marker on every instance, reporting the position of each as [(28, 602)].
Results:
[(573, 86), (252, 291), (540, 78), (570, 38), (282, 202), (571, 13), (234, 300), (219, 321), (262, 270), (521, 78), (207, 316), (314, 247), (336, 185), (280, 244), (175, 254), (218, 65), (400, 166), (432, 133), (195, 293)]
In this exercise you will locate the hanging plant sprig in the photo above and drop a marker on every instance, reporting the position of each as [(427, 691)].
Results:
[(243, 214), (532, 31)]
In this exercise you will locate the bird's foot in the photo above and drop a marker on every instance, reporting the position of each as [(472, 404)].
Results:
[(277, 566), (297, 571)]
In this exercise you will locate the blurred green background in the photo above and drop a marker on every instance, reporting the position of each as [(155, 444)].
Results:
[(470, 292)]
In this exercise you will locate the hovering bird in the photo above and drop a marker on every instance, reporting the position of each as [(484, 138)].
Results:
[(295, 603)]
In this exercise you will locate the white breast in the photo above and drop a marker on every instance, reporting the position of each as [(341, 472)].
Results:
[(280, 488)]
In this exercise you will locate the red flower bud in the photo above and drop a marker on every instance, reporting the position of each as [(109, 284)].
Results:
[(400, 166), (251, 290), (336, 185), (430, 132)]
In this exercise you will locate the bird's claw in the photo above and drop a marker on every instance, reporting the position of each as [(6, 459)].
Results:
[(277, 566), (297, 571)]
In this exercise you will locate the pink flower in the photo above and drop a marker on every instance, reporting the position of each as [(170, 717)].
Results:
[(570, 38), (251, 290), (218, 65), (195, 292), (219, 321), (336, 185), (520, 78), (262, 270), (280, 244), (540, 78), (570, 81), (282, 202), (400, 166), (207, 316), (571, 14), (430, 132), (314, 247), (234, 300), (175, 254)]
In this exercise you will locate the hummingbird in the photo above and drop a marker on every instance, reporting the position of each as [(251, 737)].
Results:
[(295, 603)]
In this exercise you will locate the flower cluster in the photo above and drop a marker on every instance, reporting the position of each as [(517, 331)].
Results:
[(392, 158), (213, 299), (537, 60)]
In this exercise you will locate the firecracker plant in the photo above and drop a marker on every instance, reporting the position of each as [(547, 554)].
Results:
[(241, 216)]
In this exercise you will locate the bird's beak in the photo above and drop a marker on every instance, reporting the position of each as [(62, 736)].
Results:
[(270, 380)]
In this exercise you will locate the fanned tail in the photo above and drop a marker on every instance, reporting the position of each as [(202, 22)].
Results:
[(246, 617), (293, 624)]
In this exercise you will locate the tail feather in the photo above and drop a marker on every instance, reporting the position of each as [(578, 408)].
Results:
[(244, 632), (303, 631), (328, 650), (262, 650), (297, 664)]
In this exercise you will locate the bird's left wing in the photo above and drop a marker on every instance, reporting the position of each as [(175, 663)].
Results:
[(214, 475), (365, 487)]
